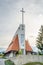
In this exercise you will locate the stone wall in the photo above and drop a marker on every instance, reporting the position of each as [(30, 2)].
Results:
[(22, 59)]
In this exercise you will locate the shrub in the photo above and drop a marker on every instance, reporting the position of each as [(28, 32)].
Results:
[(20, 52), (9, 62)]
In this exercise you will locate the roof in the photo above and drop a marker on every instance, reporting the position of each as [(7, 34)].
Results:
[(14, 45), (27, 46)]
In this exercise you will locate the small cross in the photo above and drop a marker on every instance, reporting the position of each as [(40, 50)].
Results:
[(22, 15)]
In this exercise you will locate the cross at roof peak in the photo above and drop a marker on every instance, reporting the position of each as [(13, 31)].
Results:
[(22, 15)]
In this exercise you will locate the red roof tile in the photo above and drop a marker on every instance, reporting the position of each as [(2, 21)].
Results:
[(27, 46), (14, 44)]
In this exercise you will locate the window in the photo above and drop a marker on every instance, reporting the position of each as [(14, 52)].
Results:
[(22, 27), (22, 38)]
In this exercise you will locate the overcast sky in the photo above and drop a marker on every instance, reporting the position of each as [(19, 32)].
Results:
[(10, 18)]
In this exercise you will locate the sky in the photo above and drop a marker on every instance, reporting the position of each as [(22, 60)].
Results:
[(11, 18)]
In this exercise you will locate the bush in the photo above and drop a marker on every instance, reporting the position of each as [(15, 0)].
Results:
[(20, 52), (9, 62), (40, 53)]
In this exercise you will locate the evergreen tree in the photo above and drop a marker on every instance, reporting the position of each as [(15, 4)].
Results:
[(40, 39)]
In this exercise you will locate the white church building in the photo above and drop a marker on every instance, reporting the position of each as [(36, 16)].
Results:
[(18, 42)]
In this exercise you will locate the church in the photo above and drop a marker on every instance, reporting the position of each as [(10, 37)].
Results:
[(18, 42)]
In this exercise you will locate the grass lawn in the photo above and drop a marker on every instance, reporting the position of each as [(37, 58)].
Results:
[(34, 63)]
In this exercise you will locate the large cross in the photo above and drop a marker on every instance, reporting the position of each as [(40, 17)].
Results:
[(22, 15)]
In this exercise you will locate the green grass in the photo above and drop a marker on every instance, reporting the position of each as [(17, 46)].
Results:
[(2, 56), (34, 63), (9, 62)]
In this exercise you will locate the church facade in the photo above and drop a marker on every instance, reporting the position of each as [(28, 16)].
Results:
[(18, 42)]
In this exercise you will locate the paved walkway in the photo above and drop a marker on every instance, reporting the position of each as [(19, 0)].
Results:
[(2, 62)]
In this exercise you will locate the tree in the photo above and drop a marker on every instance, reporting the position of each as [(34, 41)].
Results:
[(40, 39)]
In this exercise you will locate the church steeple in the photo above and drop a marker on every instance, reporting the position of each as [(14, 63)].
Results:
[(22, 15)]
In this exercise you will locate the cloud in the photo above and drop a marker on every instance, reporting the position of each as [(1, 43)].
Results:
[(35, 6), (10, 17), (7, 6)]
